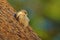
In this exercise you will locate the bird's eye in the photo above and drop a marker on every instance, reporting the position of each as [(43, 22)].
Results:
[(25, 12)]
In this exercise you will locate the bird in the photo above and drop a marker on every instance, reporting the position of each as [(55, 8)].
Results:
[(22, 17)]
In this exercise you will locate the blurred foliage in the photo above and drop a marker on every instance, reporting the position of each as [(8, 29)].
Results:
[(44, 16)]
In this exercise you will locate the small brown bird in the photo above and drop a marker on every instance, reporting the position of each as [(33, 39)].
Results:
[(22, 17)]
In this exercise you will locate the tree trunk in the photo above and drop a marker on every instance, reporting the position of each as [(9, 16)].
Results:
[(10, 29)]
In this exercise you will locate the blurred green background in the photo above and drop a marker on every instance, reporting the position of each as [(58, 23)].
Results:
[(44, 16)]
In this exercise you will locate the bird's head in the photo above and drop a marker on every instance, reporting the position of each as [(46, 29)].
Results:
[(22, 12)]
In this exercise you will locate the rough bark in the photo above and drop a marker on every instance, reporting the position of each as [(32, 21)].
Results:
[(10, 29)]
